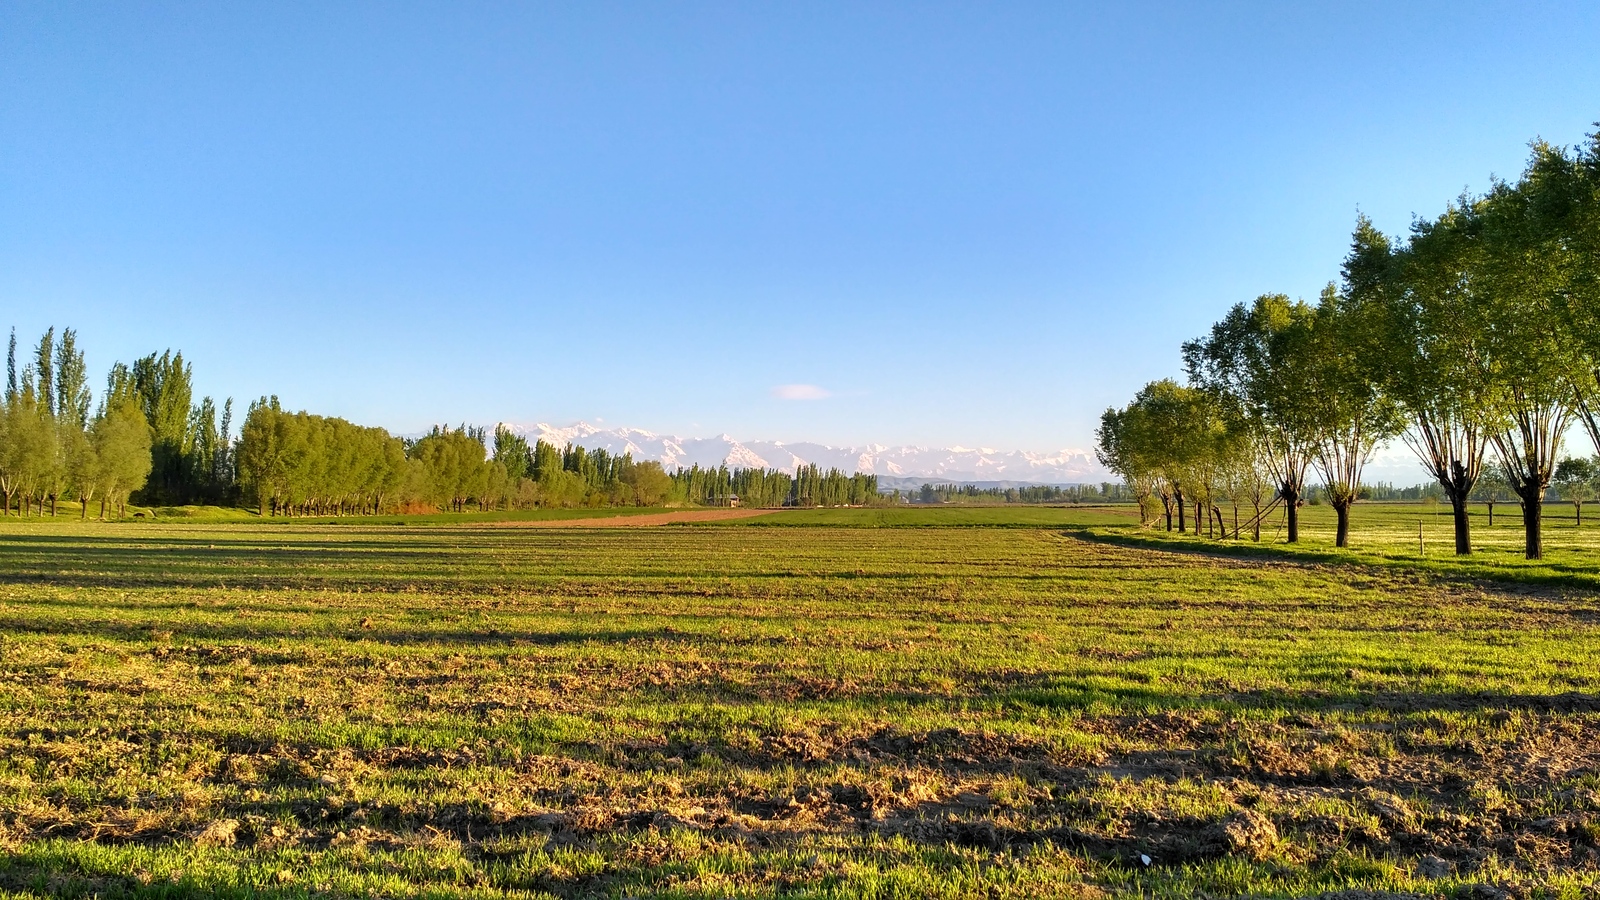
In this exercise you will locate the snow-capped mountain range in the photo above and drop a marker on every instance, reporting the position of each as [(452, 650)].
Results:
[(958, 464)]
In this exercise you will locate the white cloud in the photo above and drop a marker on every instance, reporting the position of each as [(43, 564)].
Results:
[(799, 392)]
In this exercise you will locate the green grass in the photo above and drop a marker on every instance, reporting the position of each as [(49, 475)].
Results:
[(952, 517), (1386, 534), (829, 703), (69, 513)]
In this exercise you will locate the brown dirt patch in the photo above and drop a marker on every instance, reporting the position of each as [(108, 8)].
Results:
[(626, 521)]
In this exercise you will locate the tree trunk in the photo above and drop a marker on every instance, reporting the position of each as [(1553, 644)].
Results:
[(1177, 497), (1532, 522), (52, 506), (1577, 505), (1491, 512), (1291, 502), (1341, 534), (1458, 512), (102, 509), (1166, 508)]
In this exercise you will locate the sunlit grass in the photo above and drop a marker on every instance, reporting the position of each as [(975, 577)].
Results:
[(834, 703)]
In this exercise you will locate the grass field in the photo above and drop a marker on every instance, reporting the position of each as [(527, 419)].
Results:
[(831, 703), (1386, 534)]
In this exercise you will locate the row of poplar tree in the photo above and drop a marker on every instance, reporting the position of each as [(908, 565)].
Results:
[(809, 485), (1105, 492), (1474, 339), (148, 441), (143, 436)]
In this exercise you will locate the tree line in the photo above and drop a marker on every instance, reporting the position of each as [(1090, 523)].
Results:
[(1474, 339), (147, 441), (303, 464), (809, 485), (1105, 492), (53, 447)]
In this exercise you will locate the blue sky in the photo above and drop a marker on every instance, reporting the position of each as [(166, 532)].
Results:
[(956, 223)]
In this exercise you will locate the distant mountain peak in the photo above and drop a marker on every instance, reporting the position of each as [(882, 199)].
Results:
[(939, 464)]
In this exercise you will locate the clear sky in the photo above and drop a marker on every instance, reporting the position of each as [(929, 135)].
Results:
[(917, 223)]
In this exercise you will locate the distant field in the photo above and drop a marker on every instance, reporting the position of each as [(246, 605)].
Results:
[(1016, 515), (946, 702)]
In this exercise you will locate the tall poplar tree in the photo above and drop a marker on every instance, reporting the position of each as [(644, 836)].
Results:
[(11, 367), (164, 385)]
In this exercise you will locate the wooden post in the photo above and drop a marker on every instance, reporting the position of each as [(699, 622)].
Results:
[(1421, 551)]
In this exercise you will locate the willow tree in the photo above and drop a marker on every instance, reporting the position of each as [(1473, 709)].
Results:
[(120, 437), (1253, 363), (1244, 479), (1119, 448), (1200, 447), (1349, 411), (266, 452), (1493, 487), (1176, 430), (1135, 442), (1575, 481), (1436, 355), (456, 464), (1524, 274), (1579, 209)]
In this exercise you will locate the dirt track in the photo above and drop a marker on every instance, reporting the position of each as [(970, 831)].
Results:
[(624, 521)]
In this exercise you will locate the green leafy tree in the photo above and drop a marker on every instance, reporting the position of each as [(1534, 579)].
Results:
[(73, 467), (30, 454), (649, 482), (1524, 272), (1575, 482), (1183, 427), (44, 367), (1435, 352), (72, 381), (82, 465), (10, 474), (455, 463), (11, 368), (1252, 362), (121, 443), (1119, 448), (1244, 479), (1493, 488), (1350, 412), (265, 454), (512, 451), (165, 387)]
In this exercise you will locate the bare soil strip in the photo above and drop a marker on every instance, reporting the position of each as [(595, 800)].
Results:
[(624, 521)]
